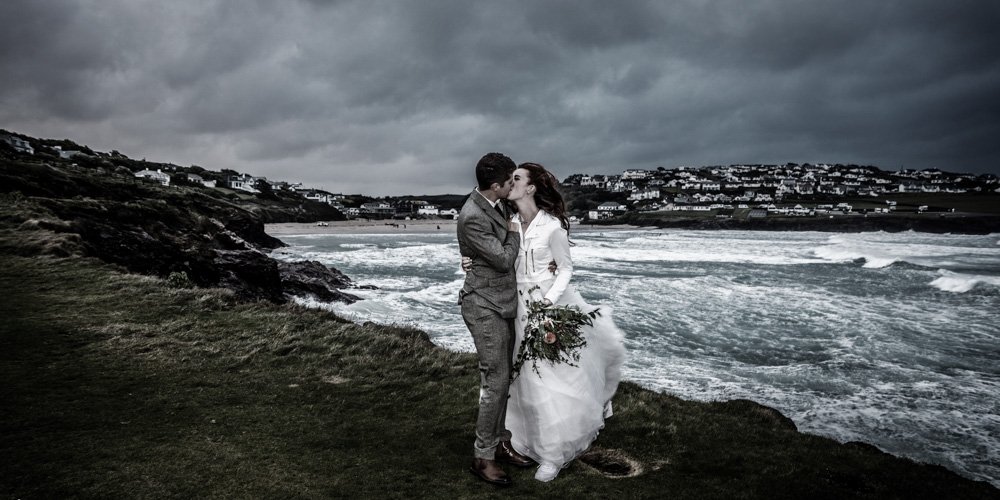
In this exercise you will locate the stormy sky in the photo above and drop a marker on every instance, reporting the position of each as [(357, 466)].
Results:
[(403, 97)]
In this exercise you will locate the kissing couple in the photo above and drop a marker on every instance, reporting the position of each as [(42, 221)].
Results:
[(513, 234)]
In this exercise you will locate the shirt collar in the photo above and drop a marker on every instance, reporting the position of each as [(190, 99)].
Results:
[(492, 203)]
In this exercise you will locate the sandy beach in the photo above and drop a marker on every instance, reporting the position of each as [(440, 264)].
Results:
[(393, 226), (362, 227)]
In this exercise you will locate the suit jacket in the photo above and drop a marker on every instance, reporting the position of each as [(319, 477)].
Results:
[(483, 236)]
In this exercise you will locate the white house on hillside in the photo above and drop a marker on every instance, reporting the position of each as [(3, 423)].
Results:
[(18, 144), (241, 182), (597, 181), (645, 194), (68, 153), (197, 179), (635, 174), (611, 206), (607, 210), (157, 176), (320, 196)]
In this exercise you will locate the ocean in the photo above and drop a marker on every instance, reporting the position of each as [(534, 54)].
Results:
[(888, 338)]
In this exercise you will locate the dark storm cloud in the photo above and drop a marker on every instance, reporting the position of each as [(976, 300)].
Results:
[(402, 97)]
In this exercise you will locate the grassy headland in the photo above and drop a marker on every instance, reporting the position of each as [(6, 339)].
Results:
[(119, 385), (125, 385)]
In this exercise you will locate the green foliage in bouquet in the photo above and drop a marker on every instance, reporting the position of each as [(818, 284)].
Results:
[(552, 333)]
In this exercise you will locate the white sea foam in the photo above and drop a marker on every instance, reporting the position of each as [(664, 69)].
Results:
[(961, 283), (442, 294), (880, 250), (872, 257), (854, 353), (416, 256), (680, 247)]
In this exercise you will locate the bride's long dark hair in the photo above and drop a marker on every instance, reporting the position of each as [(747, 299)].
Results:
[(547, 195)]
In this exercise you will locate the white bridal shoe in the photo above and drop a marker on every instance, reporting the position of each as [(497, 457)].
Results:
[(547, 472)]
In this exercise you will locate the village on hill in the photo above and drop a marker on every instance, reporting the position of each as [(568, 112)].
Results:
[(750, 190), (761, 190)]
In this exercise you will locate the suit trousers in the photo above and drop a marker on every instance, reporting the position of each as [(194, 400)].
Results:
[(494, 339)]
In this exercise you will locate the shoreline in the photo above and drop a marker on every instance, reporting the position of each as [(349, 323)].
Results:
[(924, 223), (361, 227), (416, 226)]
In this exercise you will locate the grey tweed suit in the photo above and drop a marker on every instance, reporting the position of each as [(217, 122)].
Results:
[(489, 304)]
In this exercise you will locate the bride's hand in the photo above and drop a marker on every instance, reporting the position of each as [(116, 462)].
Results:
[(466, 264)]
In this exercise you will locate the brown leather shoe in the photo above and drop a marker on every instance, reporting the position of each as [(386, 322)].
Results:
[(507, 454), (489, 471)]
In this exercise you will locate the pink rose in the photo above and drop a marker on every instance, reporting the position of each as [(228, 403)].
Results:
[(550, 338)]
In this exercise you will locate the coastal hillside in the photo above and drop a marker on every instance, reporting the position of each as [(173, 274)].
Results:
[(149, 350), (206, 237)]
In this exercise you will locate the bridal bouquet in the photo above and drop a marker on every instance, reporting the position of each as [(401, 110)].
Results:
[(552, 333)]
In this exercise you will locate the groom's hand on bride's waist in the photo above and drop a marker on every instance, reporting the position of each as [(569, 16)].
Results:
[(467, 265)]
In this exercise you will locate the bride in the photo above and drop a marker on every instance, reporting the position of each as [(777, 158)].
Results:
[(554, 415)]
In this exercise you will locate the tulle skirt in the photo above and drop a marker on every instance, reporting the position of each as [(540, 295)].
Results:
[(555, 416)]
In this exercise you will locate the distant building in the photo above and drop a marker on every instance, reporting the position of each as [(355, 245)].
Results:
[(320, 196), (241, 182), (635, 174), (612, 206), (18, 144), (608, 209), (597, 181), (197, 179), (428, 210), (377, 210), (645, 194), (157, 176), (68, 153)]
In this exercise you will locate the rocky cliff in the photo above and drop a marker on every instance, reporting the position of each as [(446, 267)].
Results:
[(196, 235)]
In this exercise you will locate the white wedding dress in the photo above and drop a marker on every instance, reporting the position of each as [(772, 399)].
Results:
[(555, 415)]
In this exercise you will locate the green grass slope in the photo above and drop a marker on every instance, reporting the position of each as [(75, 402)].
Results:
[(120, 386)]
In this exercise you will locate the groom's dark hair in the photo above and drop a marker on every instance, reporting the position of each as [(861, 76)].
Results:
[(494, 167)]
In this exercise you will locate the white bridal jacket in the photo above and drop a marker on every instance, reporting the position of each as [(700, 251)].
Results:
[(555, 413)]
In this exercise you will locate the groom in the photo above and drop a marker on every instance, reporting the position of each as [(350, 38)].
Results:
[(489, 304)]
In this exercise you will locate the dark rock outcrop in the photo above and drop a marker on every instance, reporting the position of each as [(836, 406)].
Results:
[(313, 279), (249, 273)]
